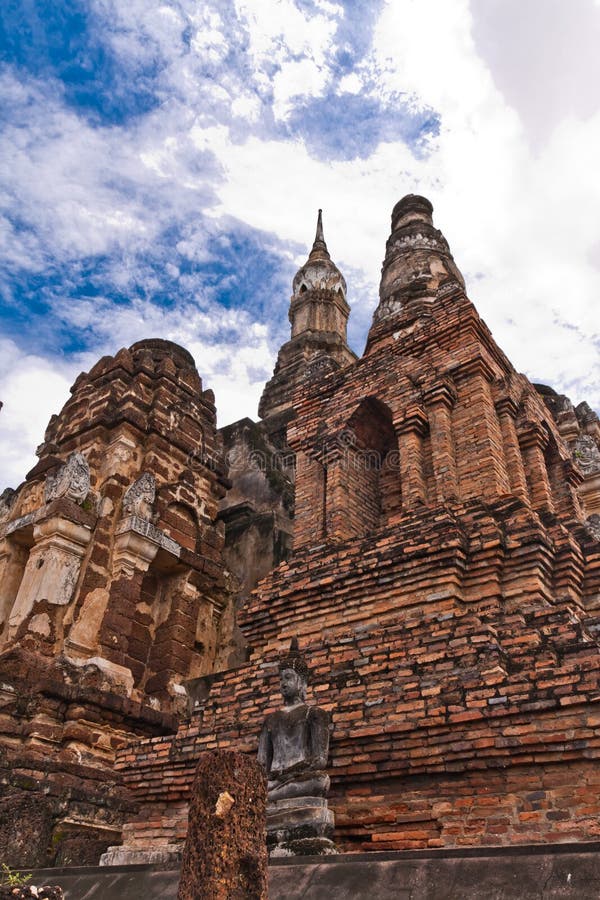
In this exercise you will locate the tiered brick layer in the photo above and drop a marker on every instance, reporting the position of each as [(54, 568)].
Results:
[(463, 681)]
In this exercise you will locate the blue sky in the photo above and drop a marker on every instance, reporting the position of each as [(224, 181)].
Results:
[(161, 164)]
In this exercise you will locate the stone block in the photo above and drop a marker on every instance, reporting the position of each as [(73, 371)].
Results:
[(225, 856)]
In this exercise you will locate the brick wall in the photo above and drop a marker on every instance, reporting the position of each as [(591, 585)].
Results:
[(448, 372), (455, 671)]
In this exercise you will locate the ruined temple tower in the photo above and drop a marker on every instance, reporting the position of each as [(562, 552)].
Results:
[(319, 316), (422, 518), (113, 592), (258, 509), (444, 580)]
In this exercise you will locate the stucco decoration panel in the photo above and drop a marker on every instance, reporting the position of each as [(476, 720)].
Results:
[(140, 496), (72, 480), (587, 454)]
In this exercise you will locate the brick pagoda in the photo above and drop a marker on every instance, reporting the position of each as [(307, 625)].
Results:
[(113, 593), (444, 581)]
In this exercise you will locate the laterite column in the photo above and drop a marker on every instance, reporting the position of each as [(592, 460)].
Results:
[(533, 440), (439, 401), (507, 412), (410, 434)]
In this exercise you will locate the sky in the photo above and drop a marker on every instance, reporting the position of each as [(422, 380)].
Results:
[(161, 167)]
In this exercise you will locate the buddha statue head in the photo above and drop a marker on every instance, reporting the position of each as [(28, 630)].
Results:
[(293, 675)]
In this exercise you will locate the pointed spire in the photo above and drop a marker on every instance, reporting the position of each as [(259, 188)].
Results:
[(319, 235), (318, 314), (319, 248), (318, 272)]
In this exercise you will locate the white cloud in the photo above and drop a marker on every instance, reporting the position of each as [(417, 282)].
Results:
[(289, 49), (548, 67), (141, 31), (209, 38), (425, 47), (279, 30), (247, 106), (231, 351), (351, 84), (31, 389), (301, 78), (522, 222), (59, 172)]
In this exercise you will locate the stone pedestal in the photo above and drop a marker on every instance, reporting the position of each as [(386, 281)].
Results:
[(167, 856), (300, 826)]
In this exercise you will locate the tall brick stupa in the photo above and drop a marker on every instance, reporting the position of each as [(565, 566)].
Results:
[(319, 315), (444, 581)]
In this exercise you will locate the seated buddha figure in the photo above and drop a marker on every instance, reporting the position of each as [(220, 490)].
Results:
[(294, 742)]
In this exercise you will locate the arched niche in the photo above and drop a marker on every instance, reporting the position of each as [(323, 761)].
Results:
[(562, 494), (363, 485)]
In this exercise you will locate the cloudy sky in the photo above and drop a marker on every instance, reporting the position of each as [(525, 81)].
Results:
[(161, 165)]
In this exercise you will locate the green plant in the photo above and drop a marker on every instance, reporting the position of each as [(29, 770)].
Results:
[(11, 878)]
